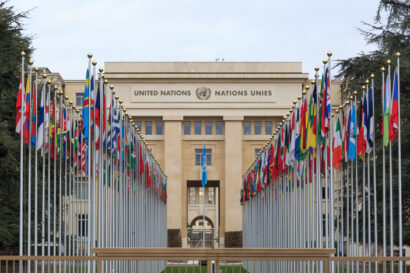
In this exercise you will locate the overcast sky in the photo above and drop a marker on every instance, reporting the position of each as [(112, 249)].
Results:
[(193, 30)]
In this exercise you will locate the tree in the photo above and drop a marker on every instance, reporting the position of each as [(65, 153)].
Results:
[(390, 32), (12, 42)]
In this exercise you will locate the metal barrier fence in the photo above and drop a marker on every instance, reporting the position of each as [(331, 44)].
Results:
[(185, 260)]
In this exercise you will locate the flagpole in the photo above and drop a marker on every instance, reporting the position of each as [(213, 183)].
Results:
[(43, 192), (35, 175), (64, 154), (89, 220), (47, 138), (399, 163), (374, 178), (369, 237), (21, 163), (384, 177), (60, 159), (356, 184), (391, 231), (363, 184), (29, 170)]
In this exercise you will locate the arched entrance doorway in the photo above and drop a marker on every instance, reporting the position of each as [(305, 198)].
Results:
[(198, 226)]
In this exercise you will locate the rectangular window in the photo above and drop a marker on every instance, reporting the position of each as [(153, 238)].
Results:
[(192, 195), (198, 128), (246, 127), (79, 99), (198, 157), (159, 127), (208, 127), (201, 195), (268, 127), (81, 190), (219, 128), (257, 151), (187, 127), (148, 127), (257, 127), (82, 224), (138, 123), (211, 195)]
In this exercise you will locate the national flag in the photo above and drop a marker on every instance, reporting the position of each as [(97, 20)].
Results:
[(40, 138), (386, 112), (19, 107), (97, 120), (311, 127), (352, 134), (86, 107), (362, 135), (52, 130), (394, 115), (26, 118), (337, 146), (370, 121), (33, 116)]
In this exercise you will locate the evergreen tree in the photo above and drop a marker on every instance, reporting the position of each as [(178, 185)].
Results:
[(12, 42), (390, 32)]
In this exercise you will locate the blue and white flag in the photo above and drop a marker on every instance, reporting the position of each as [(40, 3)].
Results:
[(203, 164)]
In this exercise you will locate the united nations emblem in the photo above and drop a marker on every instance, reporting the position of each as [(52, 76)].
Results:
[(203, 93)]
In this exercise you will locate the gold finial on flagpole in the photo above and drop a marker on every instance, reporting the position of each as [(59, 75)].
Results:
[(340, 106), (313, 82), (291, 110), (398, 54), (307, 87), (337, 111), (333, 115), (94, 63), (348, 102), (329, 53), (316, 68), (23, 53), (382, 69), (324, 61), (355, 92), (48, 82), (299, 97), (372, 76), (120, 101), (304, 92), (105, 81), (116, 97), (388, 62), (77, 111), (367, 81), (111, 87), (363, 88), (55, 87), (30, 62), (294, 102), (100, 69), (287, 114), (66, 97), (44, 76), (89, 55), (36, 69)]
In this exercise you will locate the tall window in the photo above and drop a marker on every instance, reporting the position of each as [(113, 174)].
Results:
[(268, 127), (79, 99), (82, 224), (138, 123), (81, 190), (192, 195), (246, 127), (201, 195), (211, 195), (219, 128), (187, 127), (208, 127), (159, 127), (257, 127), (198, 128), (148, 127), (198, 157)]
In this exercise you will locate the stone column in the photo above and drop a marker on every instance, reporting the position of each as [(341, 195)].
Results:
[(230, 190), (173, 169)]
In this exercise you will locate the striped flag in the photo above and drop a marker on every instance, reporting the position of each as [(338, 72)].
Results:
[(352, 134), (40, 138), (337, 146), (386, 112), (19, 108), (394, 115)]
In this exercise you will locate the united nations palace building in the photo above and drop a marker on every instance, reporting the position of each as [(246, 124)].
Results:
[(230, 107)]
